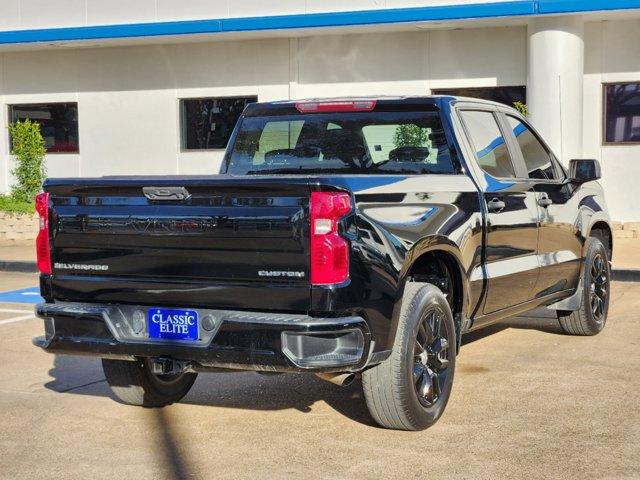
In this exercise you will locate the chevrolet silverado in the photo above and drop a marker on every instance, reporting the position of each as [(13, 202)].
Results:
[(342, 237)]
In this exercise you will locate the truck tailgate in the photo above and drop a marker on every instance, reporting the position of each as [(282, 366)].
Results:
[(228, 237)]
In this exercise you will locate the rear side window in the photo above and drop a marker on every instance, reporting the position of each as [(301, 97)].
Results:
[(490, 147), (341, 142), (536, 157)]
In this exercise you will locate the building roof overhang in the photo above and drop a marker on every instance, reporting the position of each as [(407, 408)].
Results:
[(486, 14)]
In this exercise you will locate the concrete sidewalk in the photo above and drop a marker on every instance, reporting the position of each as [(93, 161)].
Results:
[(21, 257), (626, 253), (24, 251)]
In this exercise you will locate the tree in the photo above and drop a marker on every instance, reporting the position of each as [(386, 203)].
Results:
[(410, 135), (28, 146)]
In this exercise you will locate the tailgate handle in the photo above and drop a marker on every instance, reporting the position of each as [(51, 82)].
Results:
[(166, 193)]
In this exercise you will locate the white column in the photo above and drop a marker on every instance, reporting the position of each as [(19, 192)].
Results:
[(554, 82)]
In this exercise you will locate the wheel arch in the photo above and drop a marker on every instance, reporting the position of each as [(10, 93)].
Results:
[(603, 231), (425, 263)]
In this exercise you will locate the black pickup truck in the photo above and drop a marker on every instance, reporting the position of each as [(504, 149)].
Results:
[(343, 237)]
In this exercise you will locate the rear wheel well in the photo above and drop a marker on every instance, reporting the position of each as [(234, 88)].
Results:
[(441, 269), (602, 232)]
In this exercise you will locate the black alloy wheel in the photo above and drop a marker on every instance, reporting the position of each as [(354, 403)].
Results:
[(591, 317), (410, 389), (598, 288), (431, 362)]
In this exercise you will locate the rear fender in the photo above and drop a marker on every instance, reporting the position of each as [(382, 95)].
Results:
[(431, 244)]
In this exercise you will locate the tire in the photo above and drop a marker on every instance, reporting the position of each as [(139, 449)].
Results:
[(134, 383), (591, 317), (391, 389)]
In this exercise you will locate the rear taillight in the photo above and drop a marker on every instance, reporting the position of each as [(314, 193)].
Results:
[(336, 106), (329, 251), (43, 250)]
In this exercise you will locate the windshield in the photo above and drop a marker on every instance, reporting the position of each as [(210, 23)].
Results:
[(353, 142)]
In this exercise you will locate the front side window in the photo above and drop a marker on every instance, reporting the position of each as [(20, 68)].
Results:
[(384, 142), (622, 113), (207, 123), (490, 147), (58, 124), (537, 158)]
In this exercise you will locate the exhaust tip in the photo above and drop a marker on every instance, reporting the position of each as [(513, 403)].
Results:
[(340, 379)]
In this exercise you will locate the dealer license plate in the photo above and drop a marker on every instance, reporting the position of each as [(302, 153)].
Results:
[(173, 324)]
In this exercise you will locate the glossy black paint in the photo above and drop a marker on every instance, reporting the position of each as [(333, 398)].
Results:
[(250, 345), (511, 248), (208, 250)]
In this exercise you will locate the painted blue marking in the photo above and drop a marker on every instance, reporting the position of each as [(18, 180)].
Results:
[(316, 20), (24, 295)]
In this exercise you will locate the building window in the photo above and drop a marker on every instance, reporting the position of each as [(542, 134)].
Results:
[(207, 123), (622, 113), (58, 123), (506, 95)]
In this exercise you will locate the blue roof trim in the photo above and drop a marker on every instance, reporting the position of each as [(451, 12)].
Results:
[(575, 6), (111, 31), (372, 17), (315, 20)]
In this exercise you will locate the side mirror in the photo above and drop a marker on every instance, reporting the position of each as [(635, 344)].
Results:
[(584, 170)]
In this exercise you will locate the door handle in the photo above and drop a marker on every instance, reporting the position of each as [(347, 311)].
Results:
[(495, 205), (545, 201)]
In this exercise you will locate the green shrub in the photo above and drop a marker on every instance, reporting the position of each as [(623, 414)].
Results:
[(522, 108), (10, 205), (27, 145)]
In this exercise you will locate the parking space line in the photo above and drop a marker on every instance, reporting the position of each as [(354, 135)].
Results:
[(9, 310), (17, 319)]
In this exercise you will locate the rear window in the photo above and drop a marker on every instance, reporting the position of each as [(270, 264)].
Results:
[(345, 142)]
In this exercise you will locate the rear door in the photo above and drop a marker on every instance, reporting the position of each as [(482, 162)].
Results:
[(511, 263), (560, 241)]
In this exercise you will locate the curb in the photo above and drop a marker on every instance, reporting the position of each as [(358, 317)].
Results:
[(20, 267), (617, 274), (626, 274)]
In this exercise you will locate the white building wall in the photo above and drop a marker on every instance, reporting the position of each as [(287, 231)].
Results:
[(29, 14), (373, 64), (612, 54), (128, 97), (128, 100), (410, 63)]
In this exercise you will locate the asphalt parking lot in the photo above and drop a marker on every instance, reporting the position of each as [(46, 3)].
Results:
[(528, 402)]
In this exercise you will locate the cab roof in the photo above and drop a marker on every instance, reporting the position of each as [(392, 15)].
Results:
[(380, 103)]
